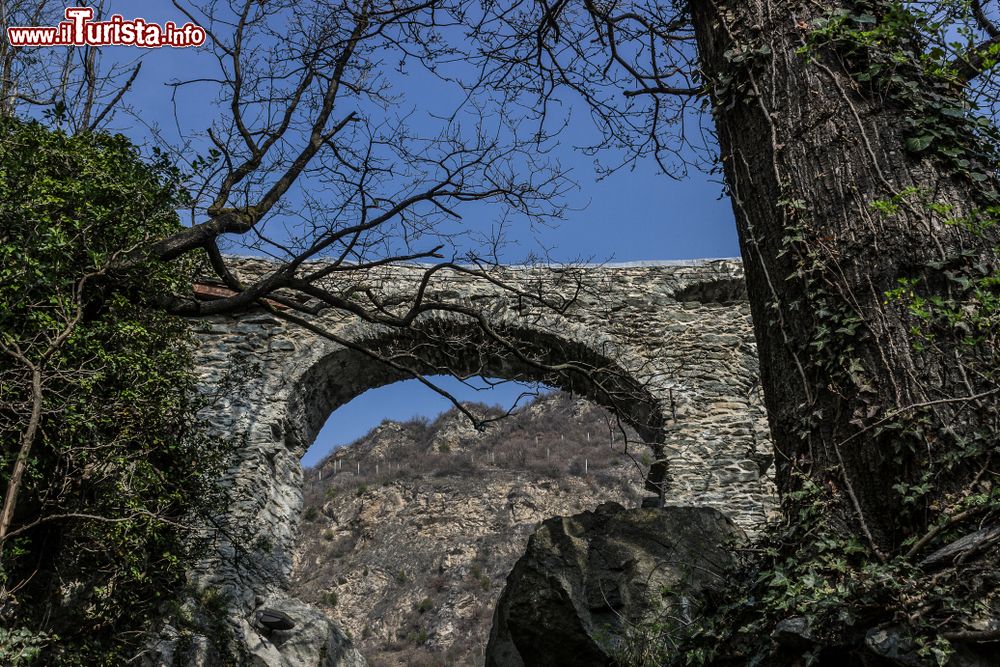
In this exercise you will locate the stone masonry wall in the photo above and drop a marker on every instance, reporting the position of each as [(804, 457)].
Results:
[(680, 332)]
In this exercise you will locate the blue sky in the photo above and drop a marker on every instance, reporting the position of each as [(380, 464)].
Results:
[(631, 215)]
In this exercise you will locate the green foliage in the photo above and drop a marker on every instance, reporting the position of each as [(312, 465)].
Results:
[(807, 567), (117, 468), (203, 612), (647, 643), (21, 646), (418, 637), (906, 56)]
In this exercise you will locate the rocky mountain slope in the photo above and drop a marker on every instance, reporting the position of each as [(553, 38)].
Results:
[(409, 533)]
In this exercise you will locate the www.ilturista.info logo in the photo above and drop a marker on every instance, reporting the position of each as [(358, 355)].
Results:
[(80, 30)]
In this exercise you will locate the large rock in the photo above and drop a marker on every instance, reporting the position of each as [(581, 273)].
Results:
[(314, 641), (311, 640), (590, 586)]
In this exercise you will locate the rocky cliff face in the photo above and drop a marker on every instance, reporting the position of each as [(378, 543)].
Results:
[(410, 555)]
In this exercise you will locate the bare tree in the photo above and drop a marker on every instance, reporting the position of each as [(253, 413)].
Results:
[(851, 166), (315, 161), (71, 84)]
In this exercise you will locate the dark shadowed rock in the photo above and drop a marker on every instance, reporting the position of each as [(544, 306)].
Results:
[(272, 619), (588, 584), (896, 646), (794, 633)]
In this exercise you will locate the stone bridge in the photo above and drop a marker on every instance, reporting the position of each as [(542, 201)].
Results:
[(675, 349)]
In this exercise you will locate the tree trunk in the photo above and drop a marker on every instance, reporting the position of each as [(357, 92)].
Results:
[(23, 456), (831, 211)]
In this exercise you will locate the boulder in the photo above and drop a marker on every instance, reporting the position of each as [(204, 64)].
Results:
[(313, 640), (793, 633), (283, 632), (592, 587)]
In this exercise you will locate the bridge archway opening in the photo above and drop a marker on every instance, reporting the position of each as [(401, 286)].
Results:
[(533, 358), (372, 543)]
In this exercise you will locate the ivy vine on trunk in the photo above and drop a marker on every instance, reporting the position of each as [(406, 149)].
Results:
[(863, 180), (865, 196)]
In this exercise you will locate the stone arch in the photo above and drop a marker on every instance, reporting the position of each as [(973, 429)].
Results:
[(674, 338), (340, 375)]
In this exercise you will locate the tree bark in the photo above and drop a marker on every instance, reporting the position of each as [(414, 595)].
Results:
[(806, 151), (23, 454)]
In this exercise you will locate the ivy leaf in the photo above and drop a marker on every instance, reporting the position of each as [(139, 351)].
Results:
[(917, 144)]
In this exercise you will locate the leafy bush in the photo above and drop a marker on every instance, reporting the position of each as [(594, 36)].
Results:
[(21, 646), (418, 636), (99, 375), (805, 568)]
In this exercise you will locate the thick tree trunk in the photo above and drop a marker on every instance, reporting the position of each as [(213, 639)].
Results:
[(806, 153)]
